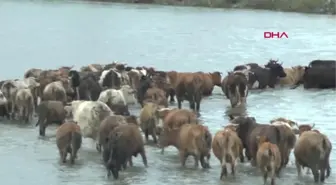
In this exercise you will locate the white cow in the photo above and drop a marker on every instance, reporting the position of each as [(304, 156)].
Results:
[(3, 99), (125, 95), (89, 115), (24, 102)]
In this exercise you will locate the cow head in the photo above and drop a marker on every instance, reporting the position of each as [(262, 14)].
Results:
[(276, 68), (216, 78), (74, 78), (245, 124)]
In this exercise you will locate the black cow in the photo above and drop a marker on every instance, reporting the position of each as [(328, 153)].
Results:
[(144, 84), (318, 77), (85, 84), (322, 63), (112, 80), (248, 66)]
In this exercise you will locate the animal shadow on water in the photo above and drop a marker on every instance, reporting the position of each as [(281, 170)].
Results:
[(235, 111)]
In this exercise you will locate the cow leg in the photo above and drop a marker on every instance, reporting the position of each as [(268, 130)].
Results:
[(179, 102), (197, 158), (315, 173), (143, 156), (64, 156), (233, 167), (265, 177), (130, 162), (183, 157), (172, 94), (204, 163), (224, 170), (146, 134), (298, 168), (154, 136)]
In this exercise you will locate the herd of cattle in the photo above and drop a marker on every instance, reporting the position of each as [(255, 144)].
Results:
[(93, 103)]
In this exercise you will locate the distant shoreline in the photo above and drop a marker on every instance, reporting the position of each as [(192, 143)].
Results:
[(304, 6)]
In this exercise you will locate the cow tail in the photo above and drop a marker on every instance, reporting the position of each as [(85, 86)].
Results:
[(324, 148), (270, 153)]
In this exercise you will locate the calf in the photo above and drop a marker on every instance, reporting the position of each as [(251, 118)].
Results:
[(68, 140), (149, 120), (268, 159), (125, 95), (24, 101)]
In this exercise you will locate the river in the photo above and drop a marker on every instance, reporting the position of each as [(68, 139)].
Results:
[(53, 34)]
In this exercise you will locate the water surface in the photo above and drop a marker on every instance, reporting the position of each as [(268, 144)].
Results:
[(50, 35)]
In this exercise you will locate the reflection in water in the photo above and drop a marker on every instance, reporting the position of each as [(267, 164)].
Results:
[(168, 38), (236, 111)]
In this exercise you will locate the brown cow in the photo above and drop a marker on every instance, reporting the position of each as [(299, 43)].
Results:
[(313, 150), (157, 96), (210, 80), (106, 126), (287, 143), (124, 142), (68, 140), (194, 139), (190, 87), (173, 120), (268, 159), (293, 75), (235, 87), (227, 147), (149, 120)]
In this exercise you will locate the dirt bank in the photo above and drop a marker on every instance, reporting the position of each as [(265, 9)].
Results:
[(304, 6)]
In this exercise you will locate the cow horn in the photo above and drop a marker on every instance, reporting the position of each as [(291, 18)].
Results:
[(313, 125)]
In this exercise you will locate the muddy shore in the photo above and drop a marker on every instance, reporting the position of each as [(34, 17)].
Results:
[(301, 6)]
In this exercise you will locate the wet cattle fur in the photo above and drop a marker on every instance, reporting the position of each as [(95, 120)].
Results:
[(172, 121), (124, 142), (68, 140), (248, 130), (89, 88), (107, 125), (190, 87), (24, 101), (227, 147), (235, 88), (50, 112), (322, 63), (144, 84), (157, 96), (268, 76), (120, 109), (268, 159), (210, 80), (195, 140), (149, 120), (293, 75), (321, 77), (313, 150)]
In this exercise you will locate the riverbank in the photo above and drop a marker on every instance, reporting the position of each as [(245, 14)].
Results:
[(301, 6)]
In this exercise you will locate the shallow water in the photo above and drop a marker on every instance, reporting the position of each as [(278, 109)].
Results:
[(49, 35)]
